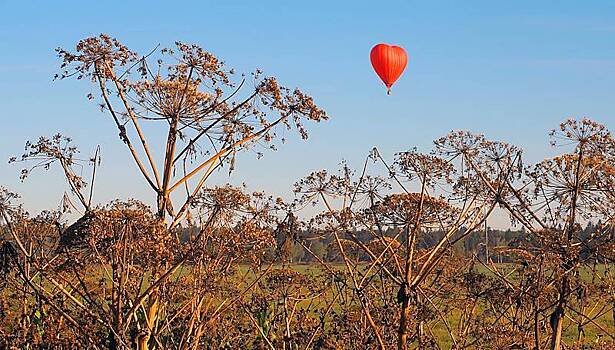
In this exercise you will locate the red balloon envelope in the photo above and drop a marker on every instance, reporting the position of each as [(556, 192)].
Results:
[(389, 62)]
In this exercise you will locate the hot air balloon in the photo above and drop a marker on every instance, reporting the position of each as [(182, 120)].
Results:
[(389, 62)]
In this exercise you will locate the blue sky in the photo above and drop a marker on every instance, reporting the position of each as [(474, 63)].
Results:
[(512, 70)]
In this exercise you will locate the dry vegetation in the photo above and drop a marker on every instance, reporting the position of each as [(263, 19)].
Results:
[(208, 267)]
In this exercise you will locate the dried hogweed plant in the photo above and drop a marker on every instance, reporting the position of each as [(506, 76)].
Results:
[(208, 117), (385, 240), (547, 291), (123, 275)]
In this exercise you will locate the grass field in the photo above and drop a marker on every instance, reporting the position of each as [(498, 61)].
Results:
[(593, 331), (600, 328)]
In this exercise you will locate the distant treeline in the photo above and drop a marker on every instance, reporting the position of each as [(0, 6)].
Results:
[(324, 246), (474, 244)]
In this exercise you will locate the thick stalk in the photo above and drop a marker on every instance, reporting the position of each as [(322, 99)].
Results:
[(557, 321), (405, 292), (163, 195)]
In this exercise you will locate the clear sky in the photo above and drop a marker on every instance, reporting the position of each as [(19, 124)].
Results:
[(512, 70)]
